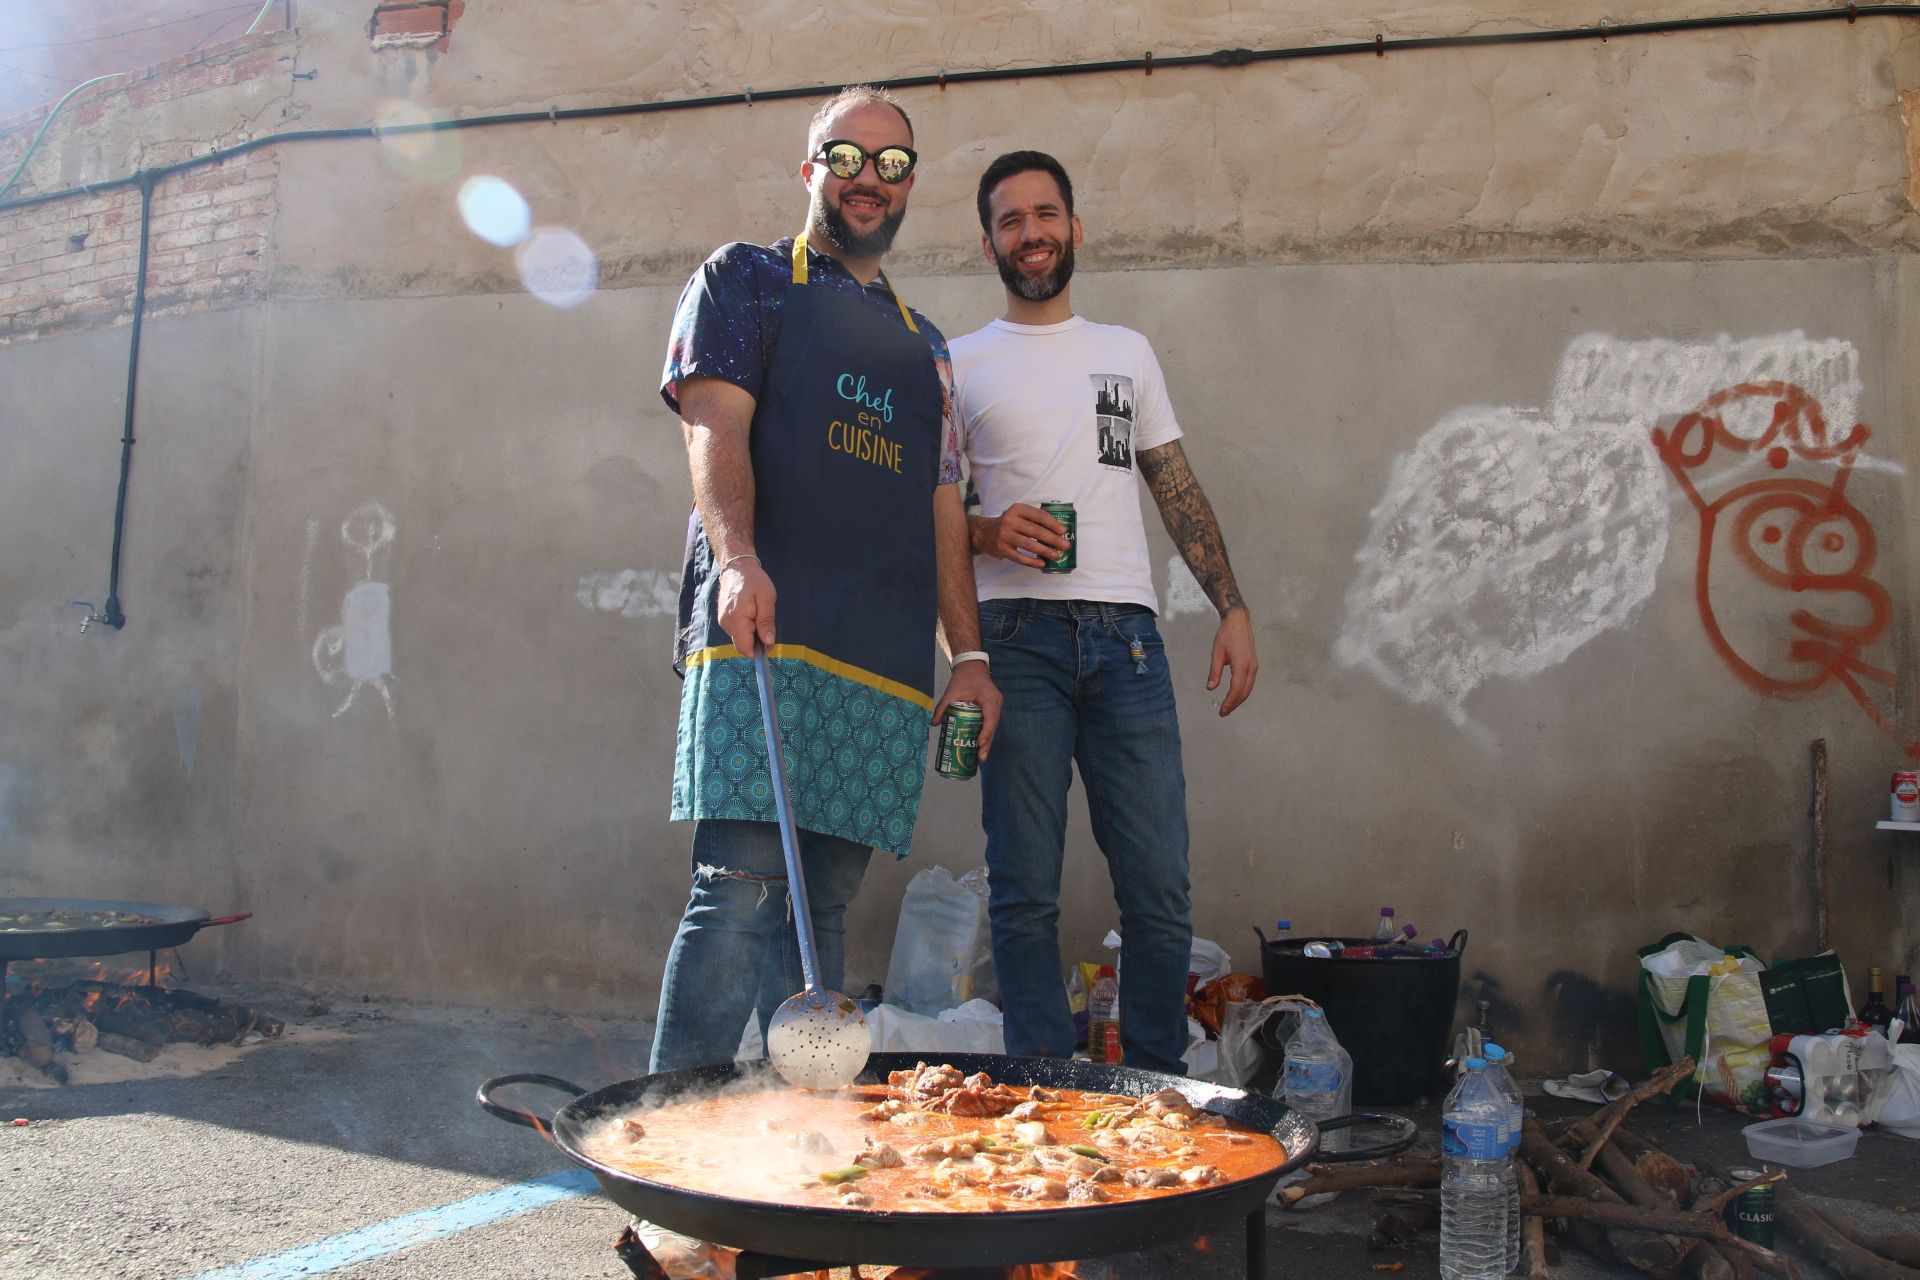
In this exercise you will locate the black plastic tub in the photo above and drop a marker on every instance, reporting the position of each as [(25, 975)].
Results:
[(1395, 1017)]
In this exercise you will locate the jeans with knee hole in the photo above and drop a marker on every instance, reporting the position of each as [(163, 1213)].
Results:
[(1086, 683), (735, 951)]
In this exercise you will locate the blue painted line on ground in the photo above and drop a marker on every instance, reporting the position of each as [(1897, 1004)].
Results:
[(395, 1234)]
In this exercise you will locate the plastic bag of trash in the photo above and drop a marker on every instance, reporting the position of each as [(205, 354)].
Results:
[(1897, 1105), (973, 1027), (942, 946)]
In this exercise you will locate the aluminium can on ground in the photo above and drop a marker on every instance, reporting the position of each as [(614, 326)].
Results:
[(1752, 1210), (959, 755), (1068, 559)]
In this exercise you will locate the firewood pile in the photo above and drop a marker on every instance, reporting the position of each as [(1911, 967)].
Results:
[(1602, 1189), (107, 1017)]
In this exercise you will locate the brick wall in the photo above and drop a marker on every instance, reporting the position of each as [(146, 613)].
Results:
[(70, 263)]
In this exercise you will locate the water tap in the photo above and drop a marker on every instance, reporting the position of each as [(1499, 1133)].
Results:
[(92, 615)]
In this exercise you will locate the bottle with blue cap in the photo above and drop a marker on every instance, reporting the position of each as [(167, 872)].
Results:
[(1474, 1175), (1499, 1064)]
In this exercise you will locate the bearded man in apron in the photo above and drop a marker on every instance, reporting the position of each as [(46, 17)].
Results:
[(827, 529)]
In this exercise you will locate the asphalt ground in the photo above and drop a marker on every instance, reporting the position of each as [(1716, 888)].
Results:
[(351, 1147)]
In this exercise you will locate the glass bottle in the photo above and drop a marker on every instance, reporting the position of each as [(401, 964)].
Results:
[(1875, 1012)]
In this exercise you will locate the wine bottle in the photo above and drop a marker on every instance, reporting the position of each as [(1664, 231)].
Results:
[(1875, 1012), (1909, 1011)]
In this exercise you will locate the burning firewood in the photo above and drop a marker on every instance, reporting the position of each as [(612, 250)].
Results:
[(127, 1047)]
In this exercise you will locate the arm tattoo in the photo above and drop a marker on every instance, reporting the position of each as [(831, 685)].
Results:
[(1190, 522)]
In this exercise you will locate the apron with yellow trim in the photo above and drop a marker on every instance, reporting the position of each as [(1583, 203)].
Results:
[(846, 454)]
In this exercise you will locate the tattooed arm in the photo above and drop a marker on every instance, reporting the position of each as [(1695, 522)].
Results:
[(1190, 522)]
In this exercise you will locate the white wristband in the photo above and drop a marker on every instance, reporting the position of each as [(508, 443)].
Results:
[(971, 655)]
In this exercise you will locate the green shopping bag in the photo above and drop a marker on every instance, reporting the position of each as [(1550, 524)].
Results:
[(1719, 1019)]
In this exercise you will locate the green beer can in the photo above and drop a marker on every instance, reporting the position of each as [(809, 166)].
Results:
[(959, 754), (1752, 1210), (1064, 563)]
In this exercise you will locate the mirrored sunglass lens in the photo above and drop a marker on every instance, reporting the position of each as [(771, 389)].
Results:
[(893, 164), (846, 160)]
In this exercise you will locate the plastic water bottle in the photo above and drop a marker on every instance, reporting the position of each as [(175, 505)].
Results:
[(1315, 1078), (1498, 1071), (1386, 930), (1474, 1171), (1282, 930)]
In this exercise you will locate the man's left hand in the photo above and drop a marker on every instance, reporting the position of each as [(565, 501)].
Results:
[(1233, 650), (971, 683)]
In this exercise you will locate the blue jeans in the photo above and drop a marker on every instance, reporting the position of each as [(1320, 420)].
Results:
[(735, 951), (1086, 683)]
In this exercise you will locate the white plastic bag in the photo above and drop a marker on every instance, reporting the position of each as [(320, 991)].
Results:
[(973, 1027), (1896, 1104), (942, 946)]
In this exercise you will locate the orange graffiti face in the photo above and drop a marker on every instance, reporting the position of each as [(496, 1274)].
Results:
[(1800, 538)]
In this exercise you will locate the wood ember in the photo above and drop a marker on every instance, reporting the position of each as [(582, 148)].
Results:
[(133, 1022), (126, 1047)]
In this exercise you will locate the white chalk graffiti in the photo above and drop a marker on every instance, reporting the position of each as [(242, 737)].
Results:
[(358, 651), (1507, 538), (631, 593), (1184, 593)]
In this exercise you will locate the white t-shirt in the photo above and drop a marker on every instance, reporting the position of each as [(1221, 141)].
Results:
[(1057, 412)]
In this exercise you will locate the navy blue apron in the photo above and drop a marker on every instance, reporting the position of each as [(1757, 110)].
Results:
[(845, 444)]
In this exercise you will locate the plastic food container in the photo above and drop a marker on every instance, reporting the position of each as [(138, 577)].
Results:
[(1800, 1143)]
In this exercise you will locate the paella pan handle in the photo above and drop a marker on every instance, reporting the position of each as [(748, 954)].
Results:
[(244, 915), (1405, 1132), (514, 1115)]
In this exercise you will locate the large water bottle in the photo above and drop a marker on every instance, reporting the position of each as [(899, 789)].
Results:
[(1315, 1079), (1499, 1064), (1474, 1170)]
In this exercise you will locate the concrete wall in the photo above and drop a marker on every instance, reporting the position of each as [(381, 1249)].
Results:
[(402, 537)]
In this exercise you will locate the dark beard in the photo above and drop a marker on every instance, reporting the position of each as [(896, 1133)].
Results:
[(1041, 288), (831, 227)]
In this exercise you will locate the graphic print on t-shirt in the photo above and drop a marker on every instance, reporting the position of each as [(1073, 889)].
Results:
[(1113, 408)]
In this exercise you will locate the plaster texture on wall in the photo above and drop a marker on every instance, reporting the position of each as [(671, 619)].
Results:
[(1700, 144)]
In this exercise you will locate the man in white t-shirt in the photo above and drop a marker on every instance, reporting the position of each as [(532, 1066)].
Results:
[(1056, 408)]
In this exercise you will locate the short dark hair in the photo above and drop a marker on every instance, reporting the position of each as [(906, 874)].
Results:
[(1019, 162), (854, 95)]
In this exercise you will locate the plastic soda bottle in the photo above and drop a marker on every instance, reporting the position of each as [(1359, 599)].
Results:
[(1314, 1078), (1386, 930), (1103, 1017), (1474, 1172), (1499, 1063)]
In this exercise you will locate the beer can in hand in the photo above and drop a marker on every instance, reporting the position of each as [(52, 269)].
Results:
[(1066, 560), (959, 754)]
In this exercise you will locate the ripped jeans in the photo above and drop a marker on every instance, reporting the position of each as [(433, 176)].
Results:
[(735, 951)]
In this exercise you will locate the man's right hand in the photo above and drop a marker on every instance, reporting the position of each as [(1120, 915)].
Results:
[(1022, 533), (746, 605)]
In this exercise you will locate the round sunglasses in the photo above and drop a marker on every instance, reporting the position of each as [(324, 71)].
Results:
[(846, 160)]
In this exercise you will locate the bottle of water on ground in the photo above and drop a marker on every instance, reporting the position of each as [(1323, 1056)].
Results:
[(1315, 1079), (1474, 1174), (1499, 1071)]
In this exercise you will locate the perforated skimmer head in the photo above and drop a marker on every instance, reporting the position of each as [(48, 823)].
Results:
[(818, 1039)]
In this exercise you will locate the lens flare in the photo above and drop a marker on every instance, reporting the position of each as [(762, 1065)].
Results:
[(427, 154), (494, 211), (557, 267)]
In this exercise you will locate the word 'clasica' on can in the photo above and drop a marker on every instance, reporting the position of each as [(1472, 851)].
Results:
[(959, 755), (1066, 560), (1752, 1210), (1906, 796)]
